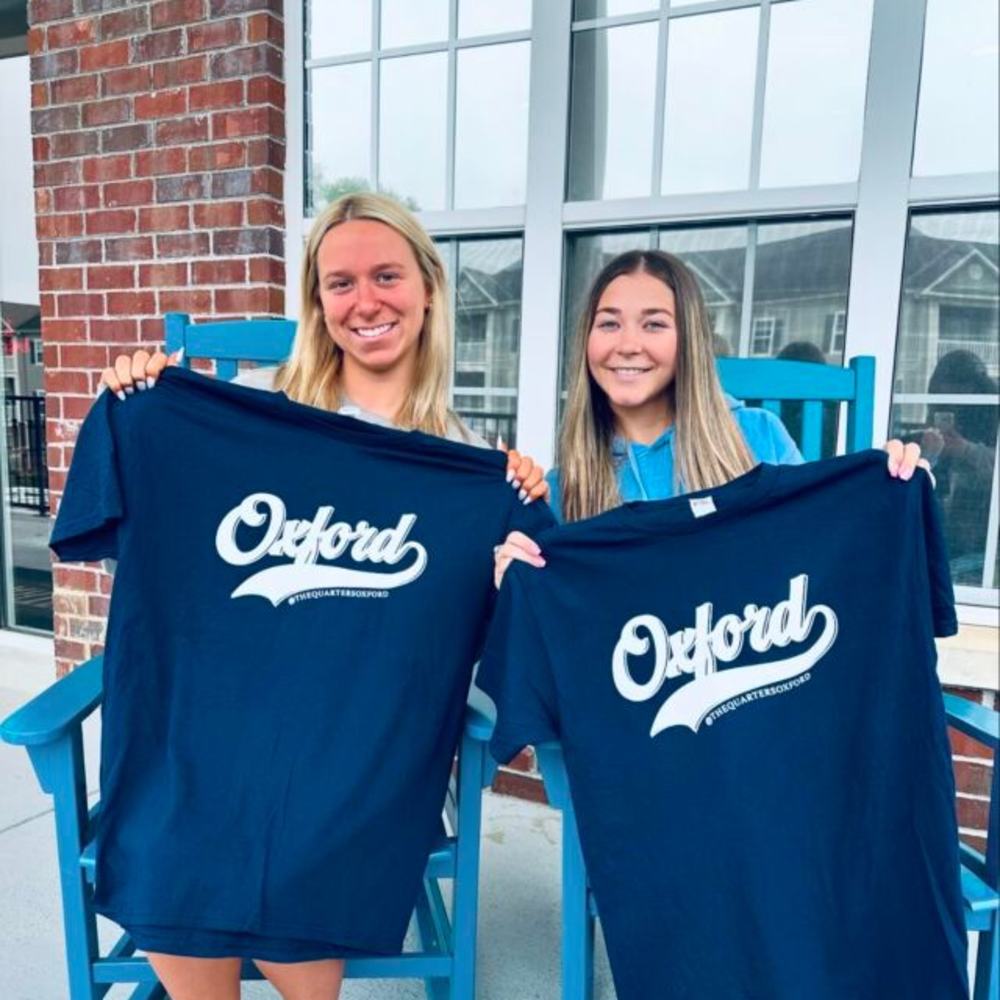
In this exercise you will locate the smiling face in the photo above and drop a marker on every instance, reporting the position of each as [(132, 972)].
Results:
[(632, 345), (373, 297)]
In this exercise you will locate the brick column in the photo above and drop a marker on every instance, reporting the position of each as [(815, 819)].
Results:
[(158, 135)]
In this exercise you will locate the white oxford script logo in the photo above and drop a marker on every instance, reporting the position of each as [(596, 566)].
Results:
[(698, 650), (306, 542)]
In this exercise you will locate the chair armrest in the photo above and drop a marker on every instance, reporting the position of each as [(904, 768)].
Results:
[(60, 708), (976, 721)]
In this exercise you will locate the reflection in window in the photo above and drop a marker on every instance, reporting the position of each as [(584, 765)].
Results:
[(491, 125), (711, 68), (27, 482), (814, 102), (611, 118), (947, 370), (338, 136), (957, 129), (801, 275), (487, 336), (717, 256)]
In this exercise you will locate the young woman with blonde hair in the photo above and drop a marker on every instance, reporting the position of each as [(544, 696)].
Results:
[(374, 342), (646, 417)]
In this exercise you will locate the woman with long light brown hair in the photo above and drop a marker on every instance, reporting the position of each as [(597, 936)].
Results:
[(646, 417)]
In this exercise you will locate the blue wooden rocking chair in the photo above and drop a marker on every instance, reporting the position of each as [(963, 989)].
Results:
[(50, 728), (815, 391)]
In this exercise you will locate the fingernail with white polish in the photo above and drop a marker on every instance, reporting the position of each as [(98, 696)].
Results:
[(522, 494), (129, 390), (141, 385), (510, 475), (150, 381), (517, 484), (120, 395)]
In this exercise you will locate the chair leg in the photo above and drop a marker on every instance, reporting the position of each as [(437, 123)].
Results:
[(987, 983), (465, 904), (60, 768), (578, 924)]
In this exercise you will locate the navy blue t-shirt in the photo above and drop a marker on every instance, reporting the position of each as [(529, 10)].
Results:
[(298, 602), (743, 682)]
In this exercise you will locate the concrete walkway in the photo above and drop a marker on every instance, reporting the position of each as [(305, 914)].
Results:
[(518, 919)]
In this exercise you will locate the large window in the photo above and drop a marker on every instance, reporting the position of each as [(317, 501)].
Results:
[(813, 161), (670, 100), (397, 96), (947, 367)]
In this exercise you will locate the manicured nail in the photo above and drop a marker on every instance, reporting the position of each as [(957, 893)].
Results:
[(522, 494), (150, 381), (141, 385), (906, 474), (120, 395), (129, 390), (510, 475), (516, 484)]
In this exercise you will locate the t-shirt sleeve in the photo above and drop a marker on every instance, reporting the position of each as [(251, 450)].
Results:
[(86, 526), (942, 591), (515, 672)]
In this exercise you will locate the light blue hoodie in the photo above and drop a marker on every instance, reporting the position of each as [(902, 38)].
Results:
[(646, 471)]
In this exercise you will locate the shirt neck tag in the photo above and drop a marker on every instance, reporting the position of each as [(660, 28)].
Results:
[(702, 506)]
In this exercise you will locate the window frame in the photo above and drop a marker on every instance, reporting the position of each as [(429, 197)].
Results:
[(879, 203)]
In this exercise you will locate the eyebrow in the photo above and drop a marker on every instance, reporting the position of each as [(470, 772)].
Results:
[(614, 310), (377, 267)]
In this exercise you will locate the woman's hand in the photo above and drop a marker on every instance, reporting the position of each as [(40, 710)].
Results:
[(517, 546), (137, 372), (904, 459), (526, 477)]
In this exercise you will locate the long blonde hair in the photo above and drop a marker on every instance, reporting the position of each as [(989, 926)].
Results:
[(312, 373), (709, 448)]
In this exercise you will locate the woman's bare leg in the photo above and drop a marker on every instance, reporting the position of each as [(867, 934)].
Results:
[(186, 978), (304, 980)]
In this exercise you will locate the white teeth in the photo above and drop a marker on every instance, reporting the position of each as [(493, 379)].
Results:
[(373, 331)]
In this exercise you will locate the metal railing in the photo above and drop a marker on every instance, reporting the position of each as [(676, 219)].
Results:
[(28, 473), (490, 425)]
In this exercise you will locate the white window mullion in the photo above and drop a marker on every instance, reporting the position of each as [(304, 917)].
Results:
[(760, 90), (880, 223), (548, 116)]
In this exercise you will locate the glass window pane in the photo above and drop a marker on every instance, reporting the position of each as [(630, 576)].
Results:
[(584, 10), (412, 129), (491, 125), (814, 104), (338, 139), (612, 109), (585, 256), (947, 353), (27, 500), (960, 443), (957, 118), (487, 17), (338, 27), (717, 256), (949, 313), (711, 69), (404, 22), (487, 336), (801, 274)]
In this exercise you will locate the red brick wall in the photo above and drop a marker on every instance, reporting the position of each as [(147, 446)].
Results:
[(158, 135)]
